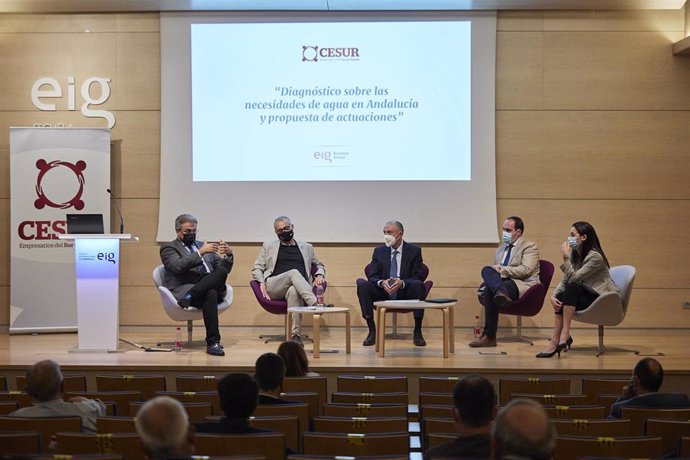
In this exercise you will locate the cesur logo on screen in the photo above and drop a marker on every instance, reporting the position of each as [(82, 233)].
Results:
[(316, 53)]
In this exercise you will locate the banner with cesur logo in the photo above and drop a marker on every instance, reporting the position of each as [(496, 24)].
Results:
[(53, 172)]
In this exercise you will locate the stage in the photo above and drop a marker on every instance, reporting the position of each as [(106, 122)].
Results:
[(243, 346)]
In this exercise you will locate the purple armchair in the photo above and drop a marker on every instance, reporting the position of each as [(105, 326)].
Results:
[(276, 307), (530, 303), (427, 287)]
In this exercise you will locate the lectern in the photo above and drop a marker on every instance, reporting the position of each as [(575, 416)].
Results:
[(97, 269)]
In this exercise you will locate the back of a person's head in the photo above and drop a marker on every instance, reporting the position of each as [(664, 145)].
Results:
[(269, 371), (474, 398), (650, 374), (296, 362), (44, 380), (163, 427), (238, 394), (523, 429)]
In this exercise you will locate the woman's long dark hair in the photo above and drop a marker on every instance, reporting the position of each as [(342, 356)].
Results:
[(295, 359), (589, 244)]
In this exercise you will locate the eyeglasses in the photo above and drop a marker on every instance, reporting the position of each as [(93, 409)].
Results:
[(284, 229), (188, 231)]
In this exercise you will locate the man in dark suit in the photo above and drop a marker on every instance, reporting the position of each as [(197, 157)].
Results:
[(196, 274), (643, 390), (237, 393), (473, 398), (396, 272)]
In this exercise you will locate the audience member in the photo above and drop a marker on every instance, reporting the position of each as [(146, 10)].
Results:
[(238, 396), (515, 269), (296, 362), (643, 390), (474, 409), (269, 373), (44, 383), (283, 270), (163, 428), (585, 277), (523, 430)]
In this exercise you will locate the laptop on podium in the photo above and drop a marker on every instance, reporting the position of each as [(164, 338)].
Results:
[(85, 224)]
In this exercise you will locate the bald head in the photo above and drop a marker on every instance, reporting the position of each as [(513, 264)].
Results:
[(523, 429), (44, 381), (163, 427)]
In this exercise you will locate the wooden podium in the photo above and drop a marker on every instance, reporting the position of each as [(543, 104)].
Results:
[(97, 270)]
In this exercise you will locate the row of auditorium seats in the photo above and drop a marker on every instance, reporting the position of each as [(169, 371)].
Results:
[(371, 413)]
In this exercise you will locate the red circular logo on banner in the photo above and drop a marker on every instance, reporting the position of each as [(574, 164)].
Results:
[(76, 168)]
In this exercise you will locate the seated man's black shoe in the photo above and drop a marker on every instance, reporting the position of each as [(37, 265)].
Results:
[(297, 339), (215, 349), (502, 300), (418, 338), (370, 340), (186, 301)]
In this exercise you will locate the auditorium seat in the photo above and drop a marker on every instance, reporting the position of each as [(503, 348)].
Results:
[(186, 397), (371, 383), (115, 424), (365, 410), (148, 385), (196, 411), (120, 399), (360, 424), (435, 439), (356, 445), (126, 444), (592, 427), (45, 426), (638, 416), (574, 447), (581, 411), (342, 397), (7, 407), (299, 410), (285, 424), (443, 399), (19, 442), (436, 410), (268, 445), (534, 385), (317, 385), (593, 387), (432, 384), (196, 383), (21, 398), (670, 432), (70, 382), (434, 425), (3, 383), (311, 399), (553, 399)]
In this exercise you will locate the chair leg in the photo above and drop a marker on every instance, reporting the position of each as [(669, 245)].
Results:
[(600, 348), (518, 337), (600, 351), (190, 342)]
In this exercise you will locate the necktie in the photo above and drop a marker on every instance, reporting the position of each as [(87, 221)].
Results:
[(203, 268), (506, 259), (394, 270)]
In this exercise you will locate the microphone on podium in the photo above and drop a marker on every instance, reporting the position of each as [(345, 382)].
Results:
[(119, 213)]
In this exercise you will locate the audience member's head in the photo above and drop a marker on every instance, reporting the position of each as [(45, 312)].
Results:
[(295, 359), (649, 374), (523, 429), (163, 428), (269, 372), (474, 399), (238, 394), (44, 381)]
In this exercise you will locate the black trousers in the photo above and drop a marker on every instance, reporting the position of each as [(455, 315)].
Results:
[(493, 283), (207, 294), (576, 295), (368, 293)]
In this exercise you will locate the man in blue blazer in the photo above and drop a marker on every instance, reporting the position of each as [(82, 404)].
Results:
[(643, 390), (396, 272)]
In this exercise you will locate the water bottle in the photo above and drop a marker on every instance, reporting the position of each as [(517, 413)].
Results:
[(320, 291), (477, 329), (178, 340)]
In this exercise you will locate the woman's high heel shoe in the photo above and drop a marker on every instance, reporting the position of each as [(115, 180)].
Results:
[(549, 354), (569, 343)]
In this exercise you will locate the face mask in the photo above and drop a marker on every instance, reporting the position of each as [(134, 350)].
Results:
[(507, 237), (572, 242), (189, 238), (389, 240), (286, 236)]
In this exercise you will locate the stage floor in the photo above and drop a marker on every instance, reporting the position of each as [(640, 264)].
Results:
[(243, 346)]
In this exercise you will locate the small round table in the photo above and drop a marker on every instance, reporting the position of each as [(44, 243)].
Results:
[(385, 306), (317, 312)]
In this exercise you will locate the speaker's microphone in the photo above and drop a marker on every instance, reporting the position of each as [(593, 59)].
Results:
[(119, 213)]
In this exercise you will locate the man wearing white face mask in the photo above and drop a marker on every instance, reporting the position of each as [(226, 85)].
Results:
[(396, 272), (515, 269)]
